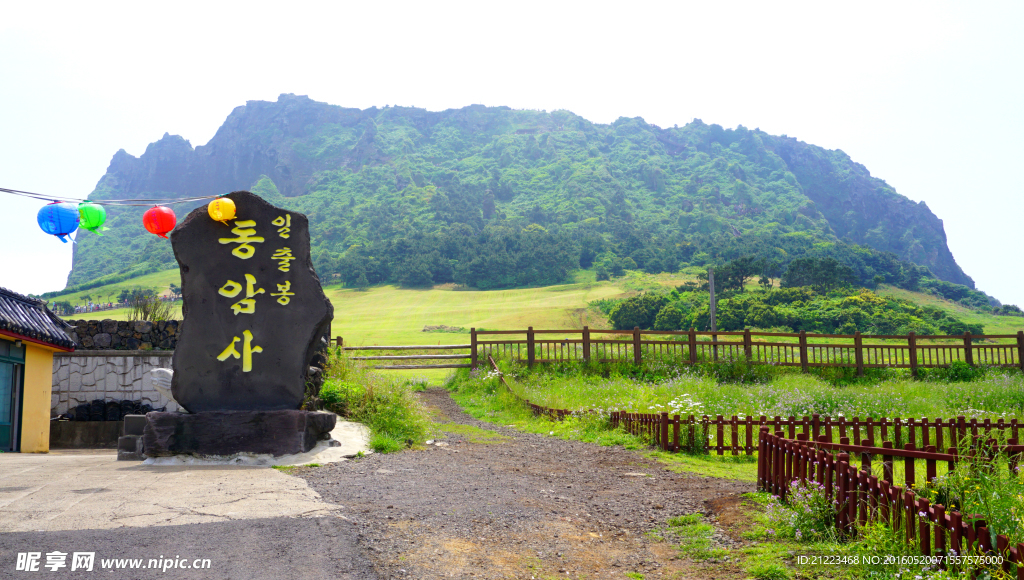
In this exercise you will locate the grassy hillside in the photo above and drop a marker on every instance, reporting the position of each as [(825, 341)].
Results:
[(158, 281), (388, 314), (993, 324)]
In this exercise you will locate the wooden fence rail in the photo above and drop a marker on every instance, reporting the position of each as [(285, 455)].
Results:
[(801, 349), (340, 343), (862, 497)]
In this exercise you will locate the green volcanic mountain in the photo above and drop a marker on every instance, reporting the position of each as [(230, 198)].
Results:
[(495, 197)]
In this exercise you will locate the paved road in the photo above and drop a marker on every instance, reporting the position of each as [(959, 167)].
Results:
[(249, 522), (76, 491), (259, 549)]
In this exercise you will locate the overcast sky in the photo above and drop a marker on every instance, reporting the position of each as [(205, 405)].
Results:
[(927, 95)]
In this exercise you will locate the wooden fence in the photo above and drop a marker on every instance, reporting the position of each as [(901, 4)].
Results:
[(737, 435), (399, 358), (801, 349), (861, 496)]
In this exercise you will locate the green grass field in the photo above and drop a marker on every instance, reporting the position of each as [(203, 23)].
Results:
[(158, 281), (388, 315), (993, 324)]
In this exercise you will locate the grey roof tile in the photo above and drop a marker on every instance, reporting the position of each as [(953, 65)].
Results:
[(30, 317)]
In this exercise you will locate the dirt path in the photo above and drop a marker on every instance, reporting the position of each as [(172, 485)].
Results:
[(508, 504)]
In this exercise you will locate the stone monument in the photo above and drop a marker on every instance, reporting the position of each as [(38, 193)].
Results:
[(253, 316)]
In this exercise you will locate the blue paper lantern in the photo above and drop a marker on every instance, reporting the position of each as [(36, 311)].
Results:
[(58, 219)]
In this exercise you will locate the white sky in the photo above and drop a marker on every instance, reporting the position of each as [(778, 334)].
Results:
[(927, 95)]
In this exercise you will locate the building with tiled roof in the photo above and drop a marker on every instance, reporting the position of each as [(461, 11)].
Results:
[(29, 335), (29, 319)]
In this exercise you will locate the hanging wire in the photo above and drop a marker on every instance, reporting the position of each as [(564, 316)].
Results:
[(111, 202)]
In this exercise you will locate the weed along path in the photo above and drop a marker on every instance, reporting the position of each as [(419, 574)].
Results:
[(487, 501)]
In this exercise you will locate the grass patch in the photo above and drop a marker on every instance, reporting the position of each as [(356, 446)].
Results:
[(385, 404), (694, 537), (290, 468), (728, 389), (740, 467)]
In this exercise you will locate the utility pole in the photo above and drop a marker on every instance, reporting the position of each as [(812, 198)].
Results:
[(714, 325)]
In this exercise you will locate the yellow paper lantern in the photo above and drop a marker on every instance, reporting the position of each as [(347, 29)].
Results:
[(222, 209)]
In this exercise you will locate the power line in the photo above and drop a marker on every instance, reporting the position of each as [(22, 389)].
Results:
[(112, 202)]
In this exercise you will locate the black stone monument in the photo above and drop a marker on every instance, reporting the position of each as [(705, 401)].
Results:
[(253, 317)]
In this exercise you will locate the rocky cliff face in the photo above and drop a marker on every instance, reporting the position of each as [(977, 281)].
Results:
[(344, 166), (256, 139), (867, 210)]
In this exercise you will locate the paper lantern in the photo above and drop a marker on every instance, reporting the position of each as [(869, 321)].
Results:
[(58, 219), (222, 209), (159, 220), (91, 216)]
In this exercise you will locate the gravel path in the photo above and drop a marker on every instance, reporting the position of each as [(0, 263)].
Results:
[(518, 506)]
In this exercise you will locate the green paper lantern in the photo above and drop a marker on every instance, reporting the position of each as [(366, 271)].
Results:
[(91, 217)]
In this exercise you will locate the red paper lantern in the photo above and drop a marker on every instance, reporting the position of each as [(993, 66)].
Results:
[(159, 220)]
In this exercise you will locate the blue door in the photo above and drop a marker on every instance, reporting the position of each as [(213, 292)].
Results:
[(12, 356), (7, 408)]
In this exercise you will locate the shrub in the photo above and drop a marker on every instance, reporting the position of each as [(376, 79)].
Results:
[(808, 515), (386, 405)]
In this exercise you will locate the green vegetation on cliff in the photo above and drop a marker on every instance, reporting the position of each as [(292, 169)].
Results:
[(493, 197)]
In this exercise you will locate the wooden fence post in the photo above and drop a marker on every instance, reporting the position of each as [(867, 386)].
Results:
[(1020, 349), (968, 355), (693, 346), (858, 353), (912, 343), (530, 348), (636, 345), (664, 431), (472, 348), (339, 341), (748, 349), (803, 351), (586, 344)]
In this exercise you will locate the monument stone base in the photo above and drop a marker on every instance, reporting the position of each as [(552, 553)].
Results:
[(228, 432)]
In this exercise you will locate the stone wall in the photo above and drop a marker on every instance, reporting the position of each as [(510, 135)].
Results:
[(123, 335), (82, 376)]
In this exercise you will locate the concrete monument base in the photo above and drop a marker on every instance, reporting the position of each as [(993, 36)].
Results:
[(274, 433)]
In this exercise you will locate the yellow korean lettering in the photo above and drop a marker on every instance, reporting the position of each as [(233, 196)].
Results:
[(230, 351), (248, 349), (283, 257), (248, 304), (283, 294), (284, 224), (246, 232), (230, 289)]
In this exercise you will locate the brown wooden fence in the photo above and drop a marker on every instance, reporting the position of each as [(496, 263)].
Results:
[(736, 435), (861, 496), (801, 349), (396, 360)]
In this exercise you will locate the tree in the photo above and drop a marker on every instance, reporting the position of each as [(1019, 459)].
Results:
[(669, 317), (638, 311), (617, 269), (822, 274), (602, 274), (769, 270), (416, 275)]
